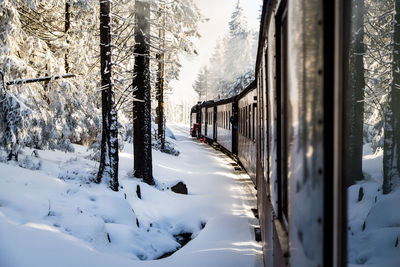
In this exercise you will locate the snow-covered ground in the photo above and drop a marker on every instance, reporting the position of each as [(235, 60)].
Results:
[(55, 217), (373, 218)]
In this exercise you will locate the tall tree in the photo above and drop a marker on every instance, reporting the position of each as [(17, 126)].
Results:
[(108, 169), (354, 105), (391, 147), (142, 106), (200, 85), (160, 82), (67, 26)]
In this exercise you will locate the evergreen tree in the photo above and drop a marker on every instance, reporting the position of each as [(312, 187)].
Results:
[(391, 148), (142, 106), (200, 86), (108, 169), (231, 65), (354, 105)]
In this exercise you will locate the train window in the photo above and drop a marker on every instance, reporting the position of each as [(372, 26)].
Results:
[(304, 130), (225, 119), (249, 121), (371, 132), (229, 118), (241, 121), (246, 121), (281, 47), (254, 122)]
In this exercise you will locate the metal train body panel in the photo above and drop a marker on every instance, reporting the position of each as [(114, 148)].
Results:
[(247, 148), (224, 126)]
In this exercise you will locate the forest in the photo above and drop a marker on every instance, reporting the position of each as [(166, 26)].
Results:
[(231, 66), (371, 129), (115, 59)]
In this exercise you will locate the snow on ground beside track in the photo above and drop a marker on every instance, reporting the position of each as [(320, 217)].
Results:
[(374, 220), (56, 217)]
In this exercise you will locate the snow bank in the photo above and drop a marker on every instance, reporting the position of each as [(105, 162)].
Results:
[(55, 216), (373, 218)]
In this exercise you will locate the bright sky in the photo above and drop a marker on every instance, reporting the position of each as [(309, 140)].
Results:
[(219, 14)]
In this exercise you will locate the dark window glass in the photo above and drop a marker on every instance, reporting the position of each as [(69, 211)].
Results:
[(282, 111)]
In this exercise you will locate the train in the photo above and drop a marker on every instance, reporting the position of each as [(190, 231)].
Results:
[(286, 130)]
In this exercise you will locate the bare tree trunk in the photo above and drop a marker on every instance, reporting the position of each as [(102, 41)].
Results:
[(391, 143), (108, 169), (66, 31), (354, 105), (160, 87), (142, 108)]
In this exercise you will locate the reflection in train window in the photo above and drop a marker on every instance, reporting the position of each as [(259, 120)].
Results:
[(371, 132)]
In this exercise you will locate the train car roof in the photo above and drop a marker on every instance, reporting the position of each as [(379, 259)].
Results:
[(225, 101), (207, 104), (194, 108)]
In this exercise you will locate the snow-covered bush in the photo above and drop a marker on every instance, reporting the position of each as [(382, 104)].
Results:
[(50, 114)]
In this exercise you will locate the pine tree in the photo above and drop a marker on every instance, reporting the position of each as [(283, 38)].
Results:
[(141, 85), (108, 169), (67, 27), (201, 84), (160, 83), (354, 105), (391, 148), (238, 24)]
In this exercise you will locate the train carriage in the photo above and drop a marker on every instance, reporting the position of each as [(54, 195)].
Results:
[(246, 145), (225, 127), (195, 120)]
